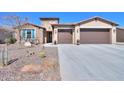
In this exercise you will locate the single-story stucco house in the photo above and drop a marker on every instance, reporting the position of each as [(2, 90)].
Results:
[(95, 30), (30, 32)]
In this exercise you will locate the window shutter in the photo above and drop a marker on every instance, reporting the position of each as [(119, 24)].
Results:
[(25, 34), (21, 33), (33, 34)]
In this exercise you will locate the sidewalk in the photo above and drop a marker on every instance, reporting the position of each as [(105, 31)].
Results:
[(50, 45)]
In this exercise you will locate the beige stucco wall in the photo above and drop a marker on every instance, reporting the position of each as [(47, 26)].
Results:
[(77, 34), (96, 23), (39, 35), (47, 24), (39, 32), (91, 24), (73, 36), (55, 35), (113, 35)]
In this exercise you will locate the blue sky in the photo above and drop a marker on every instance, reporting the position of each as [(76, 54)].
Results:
[(67, 17)]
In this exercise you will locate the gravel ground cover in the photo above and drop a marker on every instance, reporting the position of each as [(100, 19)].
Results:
[(19, 56)]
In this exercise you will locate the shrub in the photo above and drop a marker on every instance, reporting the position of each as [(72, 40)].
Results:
[(10, 40), (42, 54), (2, 42), (7, 40)]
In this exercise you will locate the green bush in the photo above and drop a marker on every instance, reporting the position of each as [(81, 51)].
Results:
[(42, 54), (10, 40)]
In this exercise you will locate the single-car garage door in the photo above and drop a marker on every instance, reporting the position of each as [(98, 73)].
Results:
[(95, 36), (64, 36)]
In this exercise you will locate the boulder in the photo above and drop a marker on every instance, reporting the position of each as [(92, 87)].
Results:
[(27, 44)]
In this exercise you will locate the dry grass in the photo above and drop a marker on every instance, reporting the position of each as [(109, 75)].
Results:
[(49, 64)]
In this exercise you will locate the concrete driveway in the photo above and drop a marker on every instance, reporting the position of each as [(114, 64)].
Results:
[(91, 62)]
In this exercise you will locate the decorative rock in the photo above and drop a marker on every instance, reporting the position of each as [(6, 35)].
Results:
[(27, 44)]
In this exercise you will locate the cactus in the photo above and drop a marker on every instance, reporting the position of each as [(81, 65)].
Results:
[(4, 57), (1, 58)]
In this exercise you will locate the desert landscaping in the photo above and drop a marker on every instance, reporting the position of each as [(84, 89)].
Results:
[(30, 63)]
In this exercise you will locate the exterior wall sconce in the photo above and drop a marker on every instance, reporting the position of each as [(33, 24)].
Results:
[(78, 42), (55, 31), (77, 31), (55, 42), (114, 31)]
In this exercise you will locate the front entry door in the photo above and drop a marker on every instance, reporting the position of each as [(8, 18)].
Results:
[(49, 37)]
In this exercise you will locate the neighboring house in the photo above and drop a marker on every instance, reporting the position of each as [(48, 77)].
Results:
[(30, 32), (95, 30), (4, 34)]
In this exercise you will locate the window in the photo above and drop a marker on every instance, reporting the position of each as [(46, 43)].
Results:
[(29, 34)]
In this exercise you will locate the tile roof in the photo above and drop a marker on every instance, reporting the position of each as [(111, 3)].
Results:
[(32, 25), (49, 18)]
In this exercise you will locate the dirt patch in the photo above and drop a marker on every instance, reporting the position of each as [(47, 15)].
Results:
[(50, 69), (29, 66), (50, 65)]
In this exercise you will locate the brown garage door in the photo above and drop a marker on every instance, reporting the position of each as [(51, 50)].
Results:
[(65, 36), (95, 36), (120, 35)]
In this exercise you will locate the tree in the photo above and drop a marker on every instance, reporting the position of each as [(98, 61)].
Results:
[(14, 22)]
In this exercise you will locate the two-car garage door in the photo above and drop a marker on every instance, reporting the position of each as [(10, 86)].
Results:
[(95, 36)]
